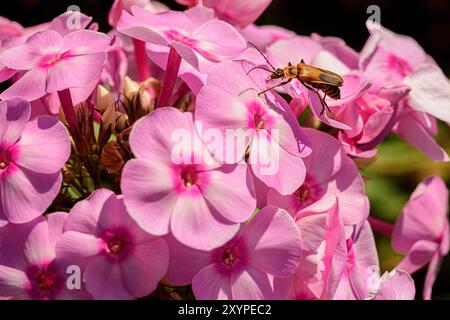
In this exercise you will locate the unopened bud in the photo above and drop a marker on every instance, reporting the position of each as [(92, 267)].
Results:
[(130, 88), (104, 98)]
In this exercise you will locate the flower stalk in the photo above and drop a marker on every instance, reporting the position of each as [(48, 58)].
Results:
[(69, 112), (381, 226), (172, 69), (142, 61)]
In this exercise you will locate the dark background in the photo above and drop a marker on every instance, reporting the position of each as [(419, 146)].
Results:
[(427, 21)]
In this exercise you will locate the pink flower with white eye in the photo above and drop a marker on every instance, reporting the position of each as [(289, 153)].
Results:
[(240, 13), (247, 266), (31, 157), (329, 172), (355, 266), (266, 127), (392, 58), (175, 186), (313, 53), (119, 260), (195, 35), (51, 62), (29, 265), (395, 285), (422, 230)]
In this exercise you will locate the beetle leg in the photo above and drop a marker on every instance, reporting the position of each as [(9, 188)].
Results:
[(278, 85), (324, 104), (322, 100)]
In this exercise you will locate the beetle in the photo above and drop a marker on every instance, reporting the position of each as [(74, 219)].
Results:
[(313, 78)]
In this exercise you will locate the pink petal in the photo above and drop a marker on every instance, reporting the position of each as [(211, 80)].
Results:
[(142, 271), (209, 284), (293, 50), (14, 115), (423, 217), (199, 226), (348, 185), (75, 72), (62, 23), (76, 248), (31, 86), (316, 107), (85, 215), (13, 282), (55, 222), (103, 279), (184, 262), (433, 270), (274, 239), (148, 194), (26, 194), (312, 232), (396, 285), (430, 91), (218, 41), (45, 42), (413, 132), (113, 215), (289, 134), (146, 139), (419, 255), (87, 42), (235, 205), (327, 155), (48, 157), (275, 166), (187, 54), (365, 263), (250, 284), (137, 28), (209, 115), (19, 58), (38, 249)]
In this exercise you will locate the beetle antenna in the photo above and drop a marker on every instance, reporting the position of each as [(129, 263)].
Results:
[(262, 54), (258, 67)]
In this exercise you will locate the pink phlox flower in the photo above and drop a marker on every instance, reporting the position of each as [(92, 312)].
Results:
[(118, 259), (174, 185), (29, 265), (421, 231), (256, 264)]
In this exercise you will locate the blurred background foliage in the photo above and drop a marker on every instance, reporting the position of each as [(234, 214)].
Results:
[(398, 167)]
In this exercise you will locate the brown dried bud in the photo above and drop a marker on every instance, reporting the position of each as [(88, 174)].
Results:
[(67, 175), (113, 158)]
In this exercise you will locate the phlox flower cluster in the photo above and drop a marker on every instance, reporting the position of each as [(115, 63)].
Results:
[(140, 161)]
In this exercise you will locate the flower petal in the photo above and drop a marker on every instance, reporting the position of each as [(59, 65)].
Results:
[(14, 115), (209, 284), (148, 194), (274, 239), (31, 86), (198, 225), (142, 270), (25, 194), (48, 157), (75, 71), (221, 193)]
